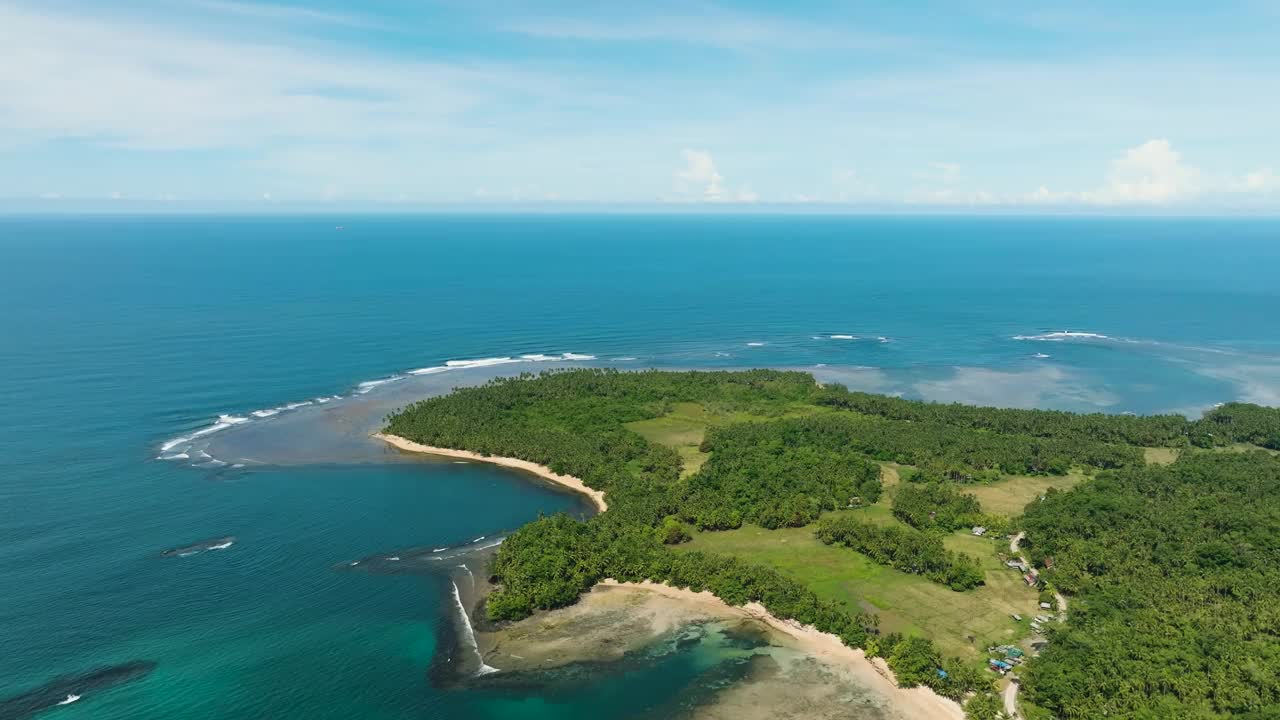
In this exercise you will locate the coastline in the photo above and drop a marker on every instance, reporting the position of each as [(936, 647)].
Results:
[(919, 703), (542, 471)]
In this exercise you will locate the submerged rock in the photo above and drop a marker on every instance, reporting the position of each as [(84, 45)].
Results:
[(66, 689)]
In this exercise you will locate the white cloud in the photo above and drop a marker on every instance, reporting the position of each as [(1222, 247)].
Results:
[(700, 172), (51, 196), (137, 84), (700, 181), (1151, 173)]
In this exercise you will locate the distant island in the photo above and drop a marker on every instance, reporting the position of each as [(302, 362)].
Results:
[(942, 542)]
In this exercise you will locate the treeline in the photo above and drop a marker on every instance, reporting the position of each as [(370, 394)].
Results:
[(1177, 571), (1152, 430), (1230, 423), (936, 505), (905, 549), (945, 451)]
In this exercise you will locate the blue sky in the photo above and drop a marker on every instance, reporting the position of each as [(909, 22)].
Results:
[(915, 106)]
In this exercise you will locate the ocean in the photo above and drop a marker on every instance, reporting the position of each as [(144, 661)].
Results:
[(207, 385)]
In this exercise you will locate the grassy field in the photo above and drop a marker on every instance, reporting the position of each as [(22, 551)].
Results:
[(1160, 456), (1011, 495), (960, 624), (685, 426)]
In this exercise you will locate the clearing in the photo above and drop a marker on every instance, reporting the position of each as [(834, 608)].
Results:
[(1011, 495), (1160, 455)]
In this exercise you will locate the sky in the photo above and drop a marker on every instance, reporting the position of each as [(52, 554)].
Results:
[(1142, 106)]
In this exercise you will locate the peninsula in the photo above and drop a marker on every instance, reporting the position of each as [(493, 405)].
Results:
[(880, 527)]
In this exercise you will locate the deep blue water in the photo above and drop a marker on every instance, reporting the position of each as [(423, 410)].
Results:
[(120, 334)]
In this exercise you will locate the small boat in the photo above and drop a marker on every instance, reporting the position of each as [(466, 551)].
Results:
[(69, 699)]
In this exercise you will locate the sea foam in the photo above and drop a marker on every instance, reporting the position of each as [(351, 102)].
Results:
[(1061, 335), (469, 633), (178, 448)]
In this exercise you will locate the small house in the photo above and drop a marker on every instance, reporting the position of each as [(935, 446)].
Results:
[(1046, 606), (979, 530), (1013, 652), (1017, 617), (1031, 579)]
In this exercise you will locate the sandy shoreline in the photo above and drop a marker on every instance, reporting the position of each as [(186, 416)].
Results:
[(542, 471), (918, 702)]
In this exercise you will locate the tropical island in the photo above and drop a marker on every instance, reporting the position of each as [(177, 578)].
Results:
[(942, 542)]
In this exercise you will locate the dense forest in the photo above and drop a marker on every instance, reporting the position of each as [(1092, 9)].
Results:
[(1178, 571), (1174, 569)]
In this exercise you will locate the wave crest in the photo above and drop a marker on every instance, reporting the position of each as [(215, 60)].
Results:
[(1061, 335), (181, 447)]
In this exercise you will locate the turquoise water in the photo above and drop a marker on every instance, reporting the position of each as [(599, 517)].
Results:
[(121, 335)]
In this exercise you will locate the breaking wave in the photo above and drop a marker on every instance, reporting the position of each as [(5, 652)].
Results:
[(222, 423), (469, 633), (181, 447), (1062, 335), (1093, 337)]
